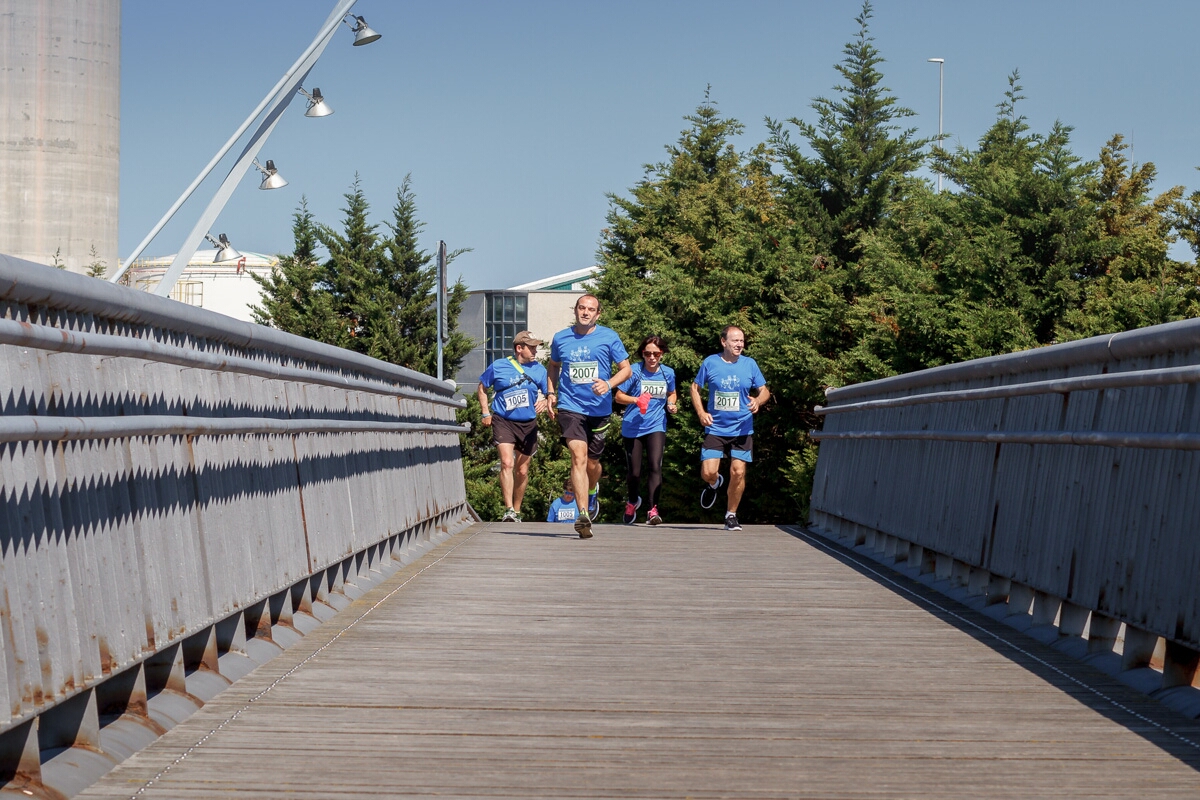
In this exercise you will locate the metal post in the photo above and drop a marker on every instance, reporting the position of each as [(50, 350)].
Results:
[(441, 306), (941, 85)]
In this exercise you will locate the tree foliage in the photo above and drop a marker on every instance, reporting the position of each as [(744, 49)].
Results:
[(375, 292), (843, 265)]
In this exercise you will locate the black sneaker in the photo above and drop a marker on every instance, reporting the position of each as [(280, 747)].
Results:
[(631, 511), (583, 526), (708, 495), (731, 523)]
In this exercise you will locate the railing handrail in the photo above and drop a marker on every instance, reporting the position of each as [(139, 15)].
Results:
[(1155, 340), (1113, 380), (27, 282), (58, 340)]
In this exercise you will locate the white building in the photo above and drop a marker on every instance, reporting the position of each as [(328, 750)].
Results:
[(226, 288), (492, 317)]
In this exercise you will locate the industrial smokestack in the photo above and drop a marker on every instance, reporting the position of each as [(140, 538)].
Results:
[(60, 127)]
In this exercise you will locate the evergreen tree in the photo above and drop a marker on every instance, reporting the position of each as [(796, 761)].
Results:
[(295, 297), (405, 328), (351, 272), (861, 157)]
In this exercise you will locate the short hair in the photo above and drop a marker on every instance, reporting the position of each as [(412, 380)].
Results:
[(725, 331), (657, 341), (584, 296)]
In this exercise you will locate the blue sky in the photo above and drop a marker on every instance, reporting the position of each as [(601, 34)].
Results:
[(516, 118)]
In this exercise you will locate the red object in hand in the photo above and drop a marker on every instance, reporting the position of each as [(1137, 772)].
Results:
[(643, 403)]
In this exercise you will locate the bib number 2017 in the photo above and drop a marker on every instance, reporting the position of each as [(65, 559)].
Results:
[(584, 371), (728, 401)]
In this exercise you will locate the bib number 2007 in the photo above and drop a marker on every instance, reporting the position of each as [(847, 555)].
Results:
[(584, 371)]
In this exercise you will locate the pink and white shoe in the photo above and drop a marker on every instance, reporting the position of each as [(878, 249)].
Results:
[(653, 518)]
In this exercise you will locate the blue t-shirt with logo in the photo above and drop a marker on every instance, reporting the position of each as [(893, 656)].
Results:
[(561, 511), (516, 391), (729, 387), (584, 359), (659, 385)]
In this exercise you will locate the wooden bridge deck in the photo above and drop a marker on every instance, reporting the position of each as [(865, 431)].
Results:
[(518, 661)]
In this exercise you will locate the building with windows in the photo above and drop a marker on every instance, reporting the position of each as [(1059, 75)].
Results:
[(226, 288), (492, 317)]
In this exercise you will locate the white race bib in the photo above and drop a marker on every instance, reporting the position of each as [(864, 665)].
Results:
[(656, 389), (727, 401), (584, 371), (515, 400), (565, 514)]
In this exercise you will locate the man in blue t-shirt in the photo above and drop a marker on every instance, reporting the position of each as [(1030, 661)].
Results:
[(512, 416), (583, 357), (728, 419)]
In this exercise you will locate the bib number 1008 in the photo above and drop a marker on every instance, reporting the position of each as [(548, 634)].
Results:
[(584, 371)]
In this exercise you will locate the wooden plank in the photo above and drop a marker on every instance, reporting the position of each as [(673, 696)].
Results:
[(519, 661)]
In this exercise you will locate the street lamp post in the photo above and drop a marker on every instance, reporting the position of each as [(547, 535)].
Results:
[(941, 62)]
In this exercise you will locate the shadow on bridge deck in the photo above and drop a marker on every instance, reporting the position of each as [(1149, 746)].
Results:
[(519, 661)]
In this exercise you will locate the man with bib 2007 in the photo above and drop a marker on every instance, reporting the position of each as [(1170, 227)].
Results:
[(583, 357), (728, 419), (512, 416)]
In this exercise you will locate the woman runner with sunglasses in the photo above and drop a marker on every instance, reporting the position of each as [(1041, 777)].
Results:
[(648, 396)]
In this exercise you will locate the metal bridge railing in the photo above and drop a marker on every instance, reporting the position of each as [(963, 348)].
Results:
[(181, 492), (1062, 481)]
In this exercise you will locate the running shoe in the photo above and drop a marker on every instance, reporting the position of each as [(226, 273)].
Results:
[(731, 523), (594, 504), (583, 526), (631, 511), (708, 495), (653, 518), (510, 515)]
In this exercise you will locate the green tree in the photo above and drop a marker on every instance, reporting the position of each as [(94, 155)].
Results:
[(1132, 281), (97, 268), (295, 297), (861, 157), (402, 328), (356, 258)]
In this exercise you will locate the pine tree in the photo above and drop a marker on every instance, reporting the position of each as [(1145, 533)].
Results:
[(295, 297), (861, 158), (1132, 281), (404, 303), (350, 273)]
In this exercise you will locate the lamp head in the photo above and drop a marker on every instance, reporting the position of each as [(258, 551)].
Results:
[(317, 107), (936, 60), (362, 32), (226, 251), (271, 177)]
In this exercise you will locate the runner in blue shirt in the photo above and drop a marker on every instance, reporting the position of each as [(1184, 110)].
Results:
[(728, 419), (648, 396), (563, 508), (512, 416), (583, 356)]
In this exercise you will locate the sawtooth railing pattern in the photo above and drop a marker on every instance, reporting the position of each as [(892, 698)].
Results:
[(182, 494)]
